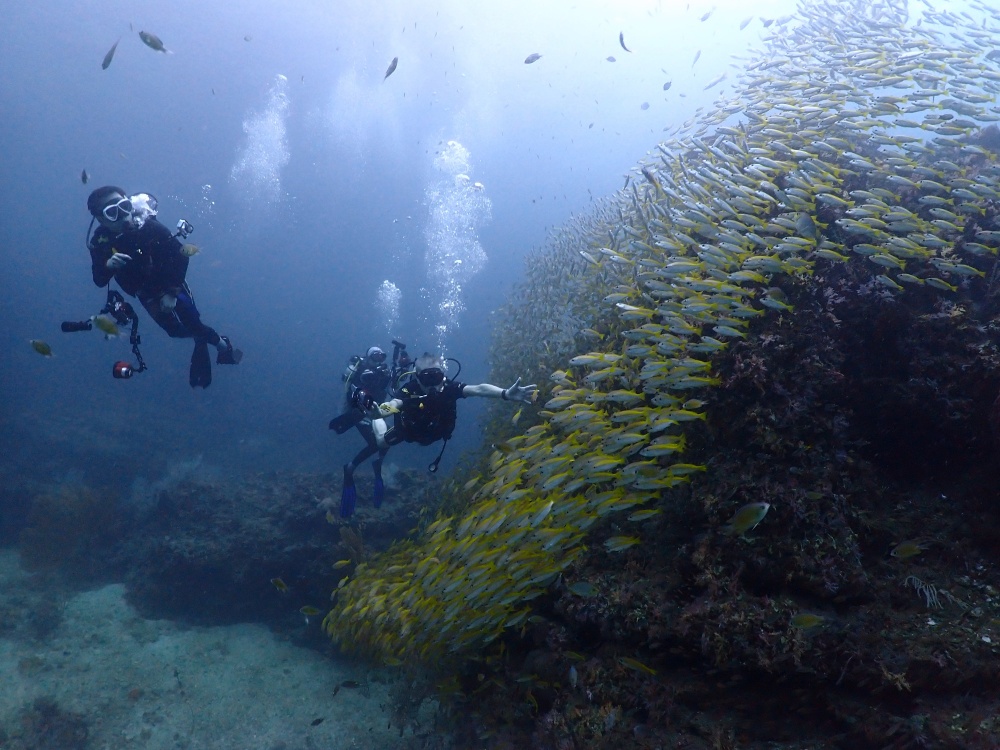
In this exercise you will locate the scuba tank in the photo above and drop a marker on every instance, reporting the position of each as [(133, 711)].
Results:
[(352, 366)]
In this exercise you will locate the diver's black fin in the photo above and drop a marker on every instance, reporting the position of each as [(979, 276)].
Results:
[(201, 366), (346, 421), (228, 355)]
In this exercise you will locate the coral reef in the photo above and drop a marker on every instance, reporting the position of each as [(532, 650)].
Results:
[(209, 550), (69, 528), (801, 299)]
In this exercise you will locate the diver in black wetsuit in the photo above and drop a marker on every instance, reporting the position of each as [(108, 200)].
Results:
[(425, 410), (366, 382), (149, 263)]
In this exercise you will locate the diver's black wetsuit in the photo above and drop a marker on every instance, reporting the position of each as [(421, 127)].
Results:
[(425, 418), (157, 267)]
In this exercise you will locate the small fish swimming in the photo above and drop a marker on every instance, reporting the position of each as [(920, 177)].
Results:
[(190, 250), (110, 56), (517, 416), (152, 41), (707, 15), (621, 41), (637, 665), (391, 69), (309, 611), (610, 58), (806, 621), (583, 588), (667, 85), (341, 564), (906, 550), (280, 585), (41, 347), (745, 22), (644, 106), (696, 56), (746, 518), (317, 722), (84, 177), (620, 543), (533, 57), (106, 325)]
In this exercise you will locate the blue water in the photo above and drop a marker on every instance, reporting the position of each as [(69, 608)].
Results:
[(333, 197)]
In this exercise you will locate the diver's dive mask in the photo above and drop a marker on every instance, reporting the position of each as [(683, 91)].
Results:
[(114, 211), (431, 377)]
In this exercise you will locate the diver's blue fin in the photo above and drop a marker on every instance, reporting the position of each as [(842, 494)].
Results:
[(348, 496), (348, 499), (379, 495)]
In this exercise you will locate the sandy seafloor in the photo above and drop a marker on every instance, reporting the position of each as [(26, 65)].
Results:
[(158, 685)]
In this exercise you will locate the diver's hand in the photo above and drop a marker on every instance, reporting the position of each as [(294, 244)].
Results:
[(518, 392), (117, 260), (168, 302), (387, 408)]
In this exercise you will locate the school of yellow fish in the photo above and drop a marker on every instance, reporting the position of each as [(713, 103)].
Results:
[(847, 141)]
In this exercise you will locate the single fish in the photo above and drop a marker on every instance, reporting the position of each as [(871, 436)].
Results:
[(41, 347), (696, 56), (84, 177), (644, 515), (152, 41), (746, 518), (906, 550), (309, 611), (317, 722), (807, 621), (611, 58), (110, 56), (533, 57), (707, 15), (106, 325), (517, 416), (280, 585), (583, 588), (637, 665), (620, 543), (341, 564), (391, 69), (667, 85), (644, 106), (621, 41), (248, 38), (190, 250), (745, 22)]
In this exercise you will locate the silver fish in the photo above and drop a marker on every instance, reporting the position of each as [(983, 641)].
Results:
[(110, 56), (392, 67), (533, 57), (152, 41)]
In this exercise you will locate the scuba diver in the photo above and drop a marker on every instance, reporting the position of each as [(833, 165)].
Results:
[(425, 409), (369, 380), (150, 263)]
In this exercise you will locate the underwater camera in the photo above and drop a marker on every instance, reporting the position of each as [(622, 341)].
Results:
[(119, 311)]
